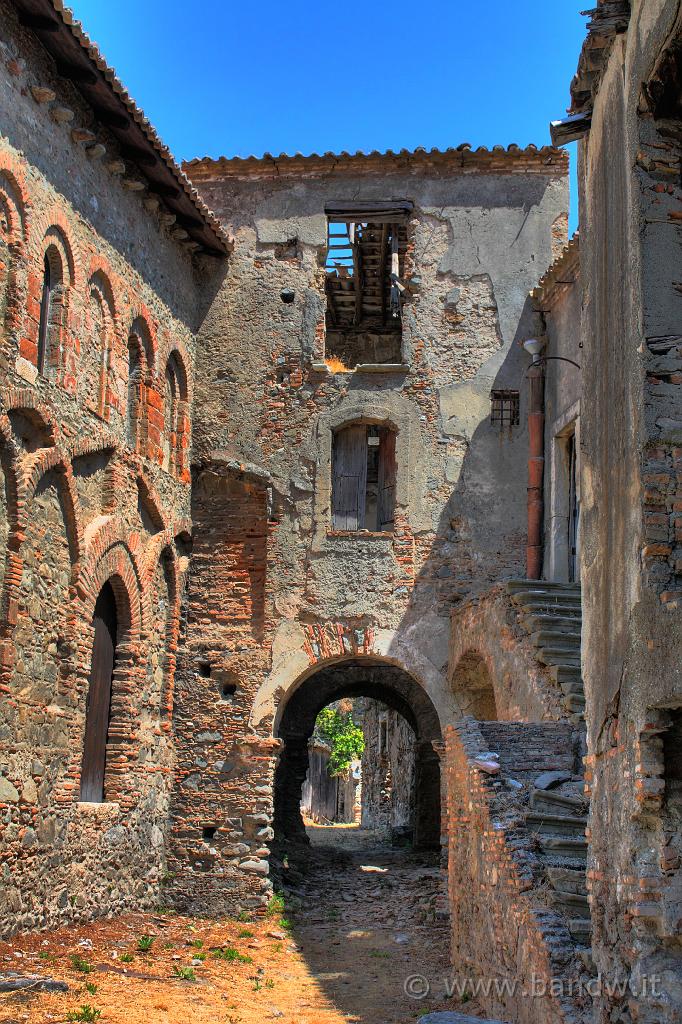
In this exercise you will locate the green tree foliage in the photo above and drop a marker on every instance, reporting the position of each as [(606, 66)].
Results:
[(345, 738)]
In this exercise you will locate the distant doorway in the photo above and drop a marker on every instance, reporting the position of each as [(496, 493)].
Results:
[(98, 709)]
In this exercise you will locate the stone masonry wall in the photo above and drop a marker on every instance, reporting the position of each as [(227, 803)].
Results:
[(483, 228), (89, 495), (388, 769), (630, 434), (493, 669), (503, 934)]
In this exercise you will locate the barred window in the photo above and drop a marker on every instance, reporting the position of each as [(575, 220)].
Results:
[(504, 408)]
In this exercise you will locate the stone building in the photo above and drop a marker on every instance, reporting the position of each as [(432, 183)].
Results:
[(626, 107), (101, 299), (259, 459)]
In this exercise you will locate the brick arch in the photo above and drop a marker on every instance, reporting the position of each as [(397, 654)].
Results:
[(12, 169), (14, 199), (32, 470), (52, 222), (160, 547), (25, 401), (143, 325), (175, 354), (112, 549), (152, 496)]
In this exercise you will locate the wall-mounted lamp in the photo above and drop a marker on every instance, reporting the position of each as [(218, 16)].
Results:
[(534, 347)]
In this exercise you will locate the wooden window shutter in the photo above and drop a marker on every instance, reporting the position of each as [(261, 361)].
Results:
[(99, 697), (386, 483), (349, 483)]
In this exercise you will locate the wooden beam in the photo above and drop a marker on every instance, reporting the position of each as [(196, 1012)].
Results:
[(357, 271), (382, 270)]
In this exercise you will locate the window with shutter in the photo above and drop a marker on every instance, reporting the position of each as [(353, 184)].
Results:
[(363, 478)]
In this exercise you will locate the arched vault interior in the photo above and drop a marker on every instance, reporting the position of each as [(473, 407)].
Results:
[(377, 680)]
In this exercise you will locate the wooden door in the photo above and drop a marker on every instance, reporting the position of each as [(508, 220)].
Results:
[(349, 483), (386, 485), (99, 697)]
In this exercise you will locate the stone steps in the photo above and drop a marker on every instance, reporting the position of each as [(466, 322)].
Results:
[(571, 903), (567, 879), (556, 824), (573, 849), (556, 803), (557, 637)]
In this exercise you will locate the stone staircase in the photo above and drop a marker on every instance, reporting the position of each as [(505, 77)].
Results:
[(557, 816), (552, 615)]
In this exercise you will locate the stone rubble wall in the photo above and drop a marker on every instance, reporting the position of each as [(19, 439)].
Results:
[(502, 928), (388, 769), (84, 499)]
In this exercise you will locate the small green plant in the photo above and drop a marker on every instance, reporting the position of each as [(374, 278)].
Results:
[(257, 986), (79, 964), (197, 943), (269, 983), (168, 945), (380, 954), (44, 955), (244, 933), (85, 1013), (185, 973), (232, 954), (199, 956), (285, 923), (145, 943), (167, 877), (164, 911), (90, 987), (127, 958), (275, 905), (244, 915)]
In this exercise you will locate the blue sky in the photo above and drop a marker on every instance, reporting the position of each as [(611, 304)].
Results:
[(234, 78)]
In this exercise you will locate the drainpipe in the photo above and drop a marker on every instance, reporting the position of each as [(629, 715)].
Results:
[(536, 459)]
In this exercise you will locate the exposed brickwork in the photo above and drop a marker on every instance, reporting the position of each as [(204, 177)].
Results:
[(502, 927), (85, 500)]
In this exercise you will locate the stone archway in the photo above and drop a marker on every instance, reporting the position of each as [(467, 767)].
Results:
[(357, 677)]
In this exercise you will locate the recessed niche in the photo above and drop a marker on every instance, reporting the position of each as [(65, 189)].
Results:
[(208, 832), (227, 683), (205, 669)]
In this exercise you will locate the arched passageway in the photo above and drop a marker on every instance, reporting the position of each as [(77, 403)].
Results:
[(359, 677)]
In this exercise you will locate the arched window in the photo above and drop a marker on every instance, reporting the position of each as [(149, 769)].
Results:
[(170, 414), (174, 408), (96, 351), (50, 311), (98, 709), (363, 478), (134, 389)]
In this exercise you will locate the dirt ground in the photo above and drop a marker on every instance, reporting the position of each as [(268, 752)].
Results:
[(358, 920)]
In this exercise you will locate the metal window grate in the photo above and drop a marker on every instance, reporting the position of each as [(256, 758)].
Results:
[(504, 408)]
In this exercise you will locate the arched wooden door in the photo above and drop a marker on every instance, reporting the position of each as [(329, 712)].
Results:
[(99, 697)]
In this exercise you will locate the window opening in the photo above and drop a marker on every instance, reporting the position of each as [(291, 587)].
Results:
[(504, 408), (364, 288), (98, 706), (364, 475)]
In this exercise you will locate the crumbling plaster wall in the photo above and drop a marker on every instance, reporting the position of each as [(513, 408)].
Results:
[(82, 505), (630, 436), (562, 414), (479, 240)]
